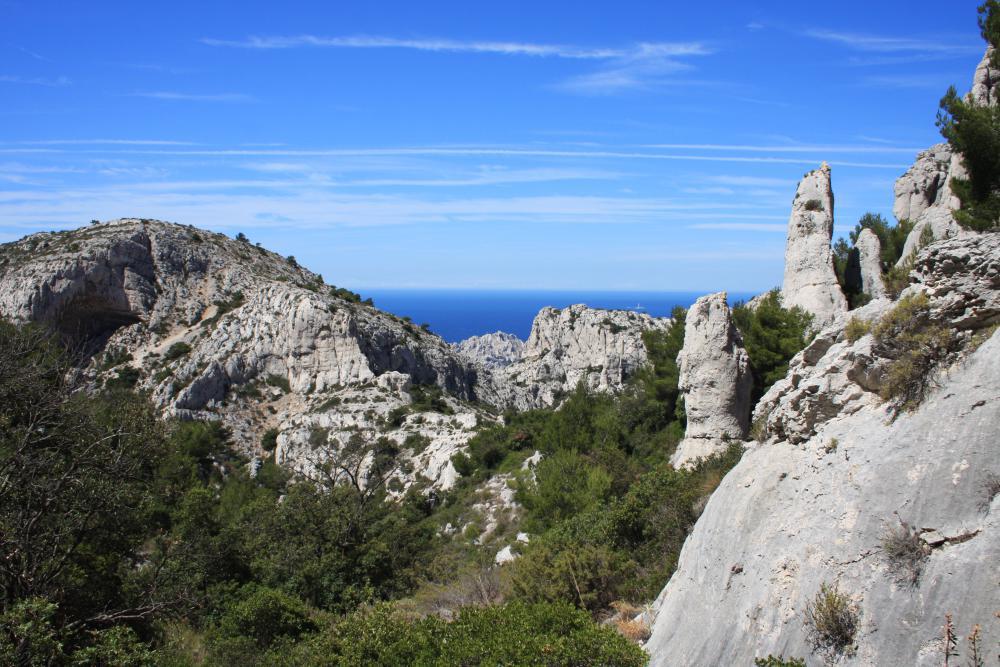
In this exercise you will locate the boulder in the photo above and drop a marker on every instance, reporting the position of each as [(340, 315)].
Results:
[(810, 280), (925, 184), (984, 81), (715, 381)]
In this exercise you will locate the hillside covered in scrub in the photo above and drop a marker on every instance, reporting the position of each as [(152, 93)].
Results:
[(211, 456)]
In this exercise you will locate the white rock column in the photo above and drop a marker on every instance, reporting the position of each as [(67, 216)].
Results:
[(715, 381), (810, 281)]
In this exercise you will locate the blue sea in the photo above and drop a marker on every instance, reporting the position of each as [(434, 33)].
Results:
[(457, 314)]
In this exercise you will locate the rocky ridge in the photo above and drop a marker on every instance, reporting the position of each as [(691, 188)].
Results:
[(216, 328), (601, 349), (494, 350)]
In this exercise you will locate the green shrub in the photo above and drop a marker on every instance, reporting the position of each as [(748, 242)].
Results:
[(269, 441), (916, 344), (176, 351), (126, 378), (814, 205), (905, 550), (772, 335), (856, 328), (279, 381), (511, 634), (779, 661), (831, 620), (265, 615)]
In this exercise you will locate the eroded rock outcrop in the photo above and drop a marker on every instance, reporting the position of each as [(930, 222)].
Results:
[(211, 325), (837, 470), (810, 281), (984, 81), (494, 350), (715, 381), (869, 257), (600, 348), (925, 184)]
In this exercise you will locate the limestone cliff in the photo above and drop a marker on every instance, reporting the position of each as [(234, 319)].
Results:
[(835, 474), (494, 350), (600, 348)]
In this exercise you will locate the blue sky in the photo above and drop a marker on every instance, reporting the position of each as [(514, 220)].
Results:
[(557, 145)]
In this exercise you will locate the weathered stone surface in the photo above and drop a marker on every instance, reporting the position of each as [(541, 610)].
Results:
[(925, 184), (601, 348), (251, 321), (810, 281), (870, 263), (984, 81), (939, 221), (790, 517), (812, 503), (715, 381), (962, 277), (495, 350)]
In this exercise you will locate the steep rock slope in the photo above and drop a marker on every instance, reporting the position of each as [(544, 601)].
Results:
[(220, 329), (813, 504), (601, 348)]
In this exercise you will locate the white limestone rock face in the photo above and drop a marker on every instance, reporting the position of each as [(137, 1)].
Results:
[(789, 518), (601, 348), (984, 81), (812, 503), (870, 263), (715, 381), (494, 350), (925, 184), (810, 281), (212, 324), (941, 225)]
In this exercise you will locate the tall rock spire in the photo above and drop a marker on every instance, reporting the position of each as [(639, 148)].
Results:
[(810, 281)]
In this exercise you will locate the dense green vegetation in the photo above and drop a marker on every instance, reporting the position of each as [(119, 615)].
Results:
[(772, 335), (974, 131), (127, 540)]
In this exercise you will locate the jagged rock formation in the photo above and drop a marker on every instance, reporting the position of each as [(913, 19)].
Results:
[(925, 184), (216, 328), (810, 281), (715, 381), (923, 193), (209, 325), (600, 348), (869, 259), (814, 502), (494, 350), (984, 81)]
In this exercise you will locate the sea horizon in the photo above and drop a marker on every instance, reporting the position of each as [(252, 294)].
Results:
[(459, 313)]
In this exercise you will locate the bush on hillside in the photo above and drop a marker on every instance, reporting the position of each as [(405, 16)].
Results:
[(772, 335)]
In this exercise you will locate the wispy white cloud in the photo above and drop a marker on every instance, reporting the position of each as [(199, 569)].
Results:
[(107, 142), (753, 181), (633, 67), (784, 148), (644, 67), (35, 81), (430, 44), (742, 226), (886, 43), (193, 97), (32, 54), (488, 152), (903, 81)]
